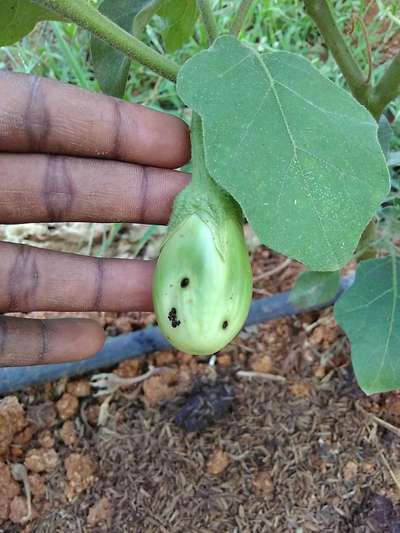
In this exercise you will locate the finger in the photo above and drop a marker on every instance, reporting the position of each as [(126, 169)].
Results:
[(42, 115), (31, 342), (34, 279), (41, 188)]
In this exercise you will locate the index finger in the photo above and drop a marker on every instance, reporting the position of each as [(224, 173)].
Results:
[(42, 115)]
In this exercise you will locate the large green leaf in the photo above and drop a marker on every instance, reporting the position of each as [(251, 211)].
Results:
[(298, 153), (111, 67), (18, 18), (314, 288), (369, 313), (179, 19)]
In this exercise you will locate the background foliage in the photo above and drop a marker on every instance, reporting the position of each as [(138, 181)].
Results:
[(61, 51)]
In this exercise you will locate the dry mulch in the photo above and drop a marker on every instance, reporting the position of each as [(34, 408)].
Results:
[(321, 463)]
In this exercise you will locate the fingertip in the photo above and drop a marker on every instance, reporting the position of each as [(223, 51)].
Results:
[(184, 157), (88, 338), (57, 340), (174, 150), (96, 338)]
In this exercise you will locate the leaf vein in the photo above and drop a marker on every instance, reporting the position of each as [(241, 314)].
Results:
[(392, 319), (370, 302)]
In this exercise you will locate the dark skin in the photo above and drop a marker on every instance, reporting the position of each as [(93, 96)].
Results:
[(70, 155)]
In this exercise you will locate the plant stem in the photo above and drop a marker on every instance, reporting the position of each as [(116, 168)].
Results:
[(200, 174), (240, 17), (87, 16), (387, 88), (320, 12), (209, 19)]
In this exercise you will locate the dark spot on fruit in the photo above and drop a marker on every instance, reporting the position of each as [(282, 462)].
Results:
[(184, 282), (225, 324), (172, 317)]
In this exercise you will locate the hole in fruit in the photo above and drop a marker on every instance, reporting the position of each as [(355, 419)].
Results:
[(184, 282), (172, 317), (225, 324)]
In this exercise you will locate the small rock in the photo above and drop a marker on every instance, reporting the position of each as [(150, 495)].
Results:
[(241, 357), (350, 471), (193, 365), (19, 511), (324, 335), (100, 513), (184, 378), (129, 368), (92, 414), (217, 462), (368, 467), (46, 440), (12, 420), (9, 488), (25, 436), (41, 460), (80, 474), (261, 363), (164, 358), (320, 372), (43, 415), (67, 406), (79, 388), (159, 388), (15, 452), (184, 358), (68, 433), (37, 486), (392, 404), (224, 360), (262, 482), (196, 368), (11, 407), (300, 389), (4, 507)]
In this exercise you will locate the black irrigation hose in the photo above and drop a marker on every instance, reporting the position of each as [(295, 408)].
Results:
[(137, 343)]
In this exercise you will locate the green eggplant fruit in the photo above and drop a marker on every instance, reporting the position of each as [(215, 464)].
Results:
[(203, 280)]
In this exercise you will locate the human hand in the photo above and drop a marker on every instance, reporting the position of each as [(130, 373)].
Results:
[(70, 155)]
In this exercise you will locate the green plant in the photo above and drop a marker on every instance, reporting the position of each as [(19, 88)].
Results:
[(296, 152)]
